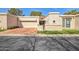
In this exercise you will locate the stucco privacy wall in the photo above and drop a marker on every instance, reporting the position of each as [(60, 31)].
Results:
[(29, 21), (77, 22), (12, 21), (53, 21), (3, 20)]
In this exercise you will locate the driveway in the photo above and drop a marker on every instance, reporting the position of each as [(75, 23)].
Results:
[(36, 43), (20, 31)]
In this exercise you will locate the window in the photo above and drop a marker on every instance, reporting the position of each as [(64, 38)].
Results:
[(67, 22), (53, 21)]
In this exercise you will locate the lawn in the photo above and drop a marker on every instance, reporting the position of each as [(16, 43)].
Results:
[(59, 32)]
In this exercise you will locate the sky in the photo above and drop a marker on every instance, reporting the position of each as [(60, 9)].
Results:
[(45, 11)]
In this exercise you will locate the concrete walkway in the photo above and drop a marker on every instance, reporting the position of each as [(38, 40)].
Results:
[(41, 35)]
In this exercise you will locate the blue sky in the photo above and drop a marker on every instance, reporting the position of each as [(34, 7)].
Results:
[(45, 11)]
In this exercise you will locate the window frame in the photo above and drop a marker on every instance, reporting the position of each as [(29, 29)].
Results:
[(68, 22)]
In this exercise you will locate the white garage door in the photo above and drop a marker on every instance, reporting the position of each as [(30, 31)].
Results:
[(27, 24)]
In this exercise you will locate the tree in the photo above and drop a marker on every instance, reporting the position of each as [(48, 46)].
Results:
[(72, 12), (36, 13), (15, 11)]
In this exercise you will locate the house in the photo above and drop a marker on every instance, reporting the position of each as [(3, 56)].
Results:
[(53, 21)]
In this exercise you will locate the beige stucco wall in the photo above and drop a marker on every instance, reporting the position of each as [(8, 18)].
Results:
[(12, 21), (72, 23), (29, 24), (50, 25), (77, 22), (40, 28), (29, 21), (3, 21), (52, 28)]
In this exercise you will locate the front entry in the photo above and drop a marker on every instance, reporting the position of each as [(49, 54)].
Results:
[(66, 22), (42, 23)]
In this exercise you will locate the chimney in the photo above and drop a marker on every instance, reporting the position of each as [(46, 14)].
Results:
[(54, 13)]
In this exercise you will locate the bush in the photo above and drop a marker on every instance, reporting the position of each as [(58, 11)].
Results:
[(13, 27), (70, 31), (2, 30), (50, 32)]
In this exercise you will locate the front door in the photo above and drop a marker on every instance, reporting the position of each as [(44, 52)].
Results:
[(67, 22)]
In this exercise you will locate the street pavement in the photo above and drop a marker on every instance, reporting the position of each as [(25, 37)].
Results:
[(38, 43)]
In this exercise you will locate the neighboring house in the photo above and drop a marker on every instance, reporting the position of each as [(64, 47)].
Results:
[(7, 21), (54, 21)]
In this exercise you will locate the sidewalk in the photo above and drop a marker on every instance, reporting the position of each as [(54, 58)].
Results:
[(42, 35), (63, 35)]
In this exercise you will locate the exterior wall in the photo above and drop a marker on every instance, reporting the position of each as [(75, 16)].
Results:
[(50, 25), (3, 21), (11, 21), (29, 21), (40, 28), (73, 23), (27, 24), (77, 22)]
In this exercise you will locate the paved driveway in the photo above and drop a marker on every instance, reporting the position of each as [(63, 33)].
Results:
[(20, 31), (34, 43)]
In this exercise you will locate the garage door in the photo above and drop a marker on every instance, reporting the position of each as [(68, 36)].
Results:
[(27, 24)]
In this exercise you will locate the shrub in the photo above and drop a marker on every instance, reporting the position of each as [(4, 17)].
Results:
[(13, 27), (50, 32), (2, 30), (70, 31)]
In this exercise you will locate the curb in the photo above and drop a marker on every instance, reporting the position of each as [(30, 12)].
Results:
[(42, 35), (58, 35)]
